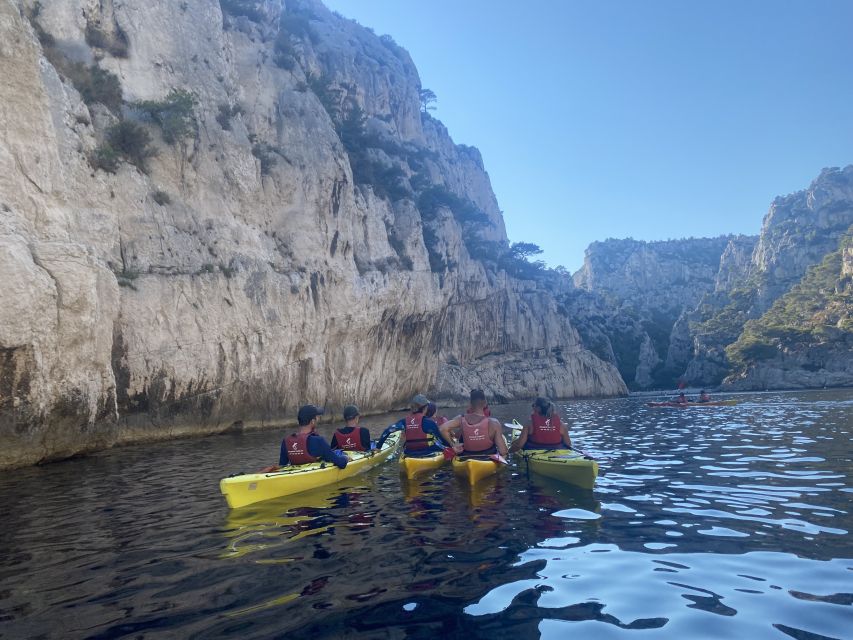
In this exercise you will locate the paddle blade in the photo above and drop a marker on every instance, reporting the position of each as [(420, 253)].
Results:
[(496, 457)]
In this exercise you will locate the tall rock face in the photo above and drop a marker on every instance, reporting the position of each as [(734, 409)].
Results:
[(798, 231), (211, 213), (643, 288), (805, 339), (771, 311)]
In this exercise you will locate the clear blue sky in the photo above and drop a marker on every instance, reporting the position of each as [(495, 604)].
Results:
[(653, 119)]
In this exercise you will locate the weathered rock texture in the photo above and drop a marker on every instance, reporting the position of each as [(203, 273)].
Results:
[(798, 231), (742, 296), (291, 249), (805, 339), (643, 288)]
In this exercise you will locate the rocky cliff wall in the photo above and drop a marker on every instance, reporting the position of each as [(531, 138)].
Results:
[(643, 289), (308, 239), (805, 339), (798, 231), (732, 290)]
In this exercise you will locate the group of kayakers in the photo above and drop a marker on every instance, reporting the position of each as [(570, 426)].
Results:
[(474, 433)]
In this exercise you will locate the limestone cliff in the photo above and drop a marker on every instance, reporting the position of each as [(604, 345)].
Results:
[(797, 232), (213, 212), (742, 297), (642, 290), (805, 339)]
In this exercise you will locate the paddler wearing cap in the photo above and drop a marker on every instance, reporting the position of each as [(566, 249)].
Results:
[(420, 433), (304, 446), (351, 437)]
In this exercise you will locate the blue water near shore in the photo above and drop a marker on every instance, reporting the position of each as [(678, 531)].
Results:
[(716, 522)]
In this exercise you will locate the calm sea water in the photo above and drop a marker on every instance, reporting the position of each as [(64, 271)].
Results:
[(725, 522)]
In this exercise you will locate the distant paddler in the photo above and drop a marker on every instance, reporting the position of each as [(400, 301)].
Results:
[(475, 434), (703, 396), (545, 430), (421, 434), (351, 437), (304, 446)]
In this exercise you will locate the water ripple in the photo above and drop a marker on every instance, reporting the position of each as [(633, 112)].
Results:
[(715, 522)]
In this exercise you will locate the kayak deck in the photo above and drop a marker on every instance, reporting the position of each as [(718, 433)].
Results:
[(474, 469), (246, 489), (564, 465), (411, 466)]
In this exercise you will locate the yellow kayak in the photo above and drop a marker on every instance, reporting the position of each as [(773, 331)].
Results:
[(413, 465), (247, 489), (562, 464), (475, 469)]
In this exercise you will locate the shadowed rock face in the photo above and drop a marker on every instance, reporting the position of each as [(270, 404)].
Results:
[(637, 295), (262, 261)]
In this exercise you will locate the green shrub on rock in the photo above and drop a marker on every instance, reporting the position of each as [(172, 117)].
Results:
[(124, 140), (105, 158), (175, 114)]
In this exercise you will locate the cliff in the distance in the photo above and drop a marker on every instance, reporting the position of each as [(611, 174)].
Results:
[(798, 231), (211, 213), (805, 339), (632, 293), (765, 312)]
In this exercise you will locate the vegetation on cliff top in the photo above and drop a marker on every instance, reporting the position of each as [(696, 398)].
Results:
[(816, 310)]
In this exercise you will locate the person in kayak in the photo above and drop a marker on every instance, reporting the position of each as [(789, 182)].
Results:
[(478, 434), (545, 430), (421, 435), (351, 437), (681, 399), (430, 413), (304, 446), (704, 397), (485, 411)]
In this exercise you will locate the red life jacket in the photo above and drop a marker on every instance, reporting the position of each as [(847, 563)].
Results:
[(475, 437), (416, 438), (545, 430), (297, 449), (350, 441)]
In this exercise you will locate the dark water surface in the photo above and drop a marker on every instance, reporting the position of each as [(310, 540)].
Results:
[(724, 522)]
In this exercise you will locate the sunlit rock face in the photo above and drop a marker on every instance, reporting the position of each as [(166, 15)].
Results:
[(690, 300), (641, 291), (264, 260)]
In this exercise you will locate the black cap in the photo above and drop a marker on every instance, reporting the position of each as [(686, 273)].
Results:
[(478, 394), (308, 413), (350, 412)]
